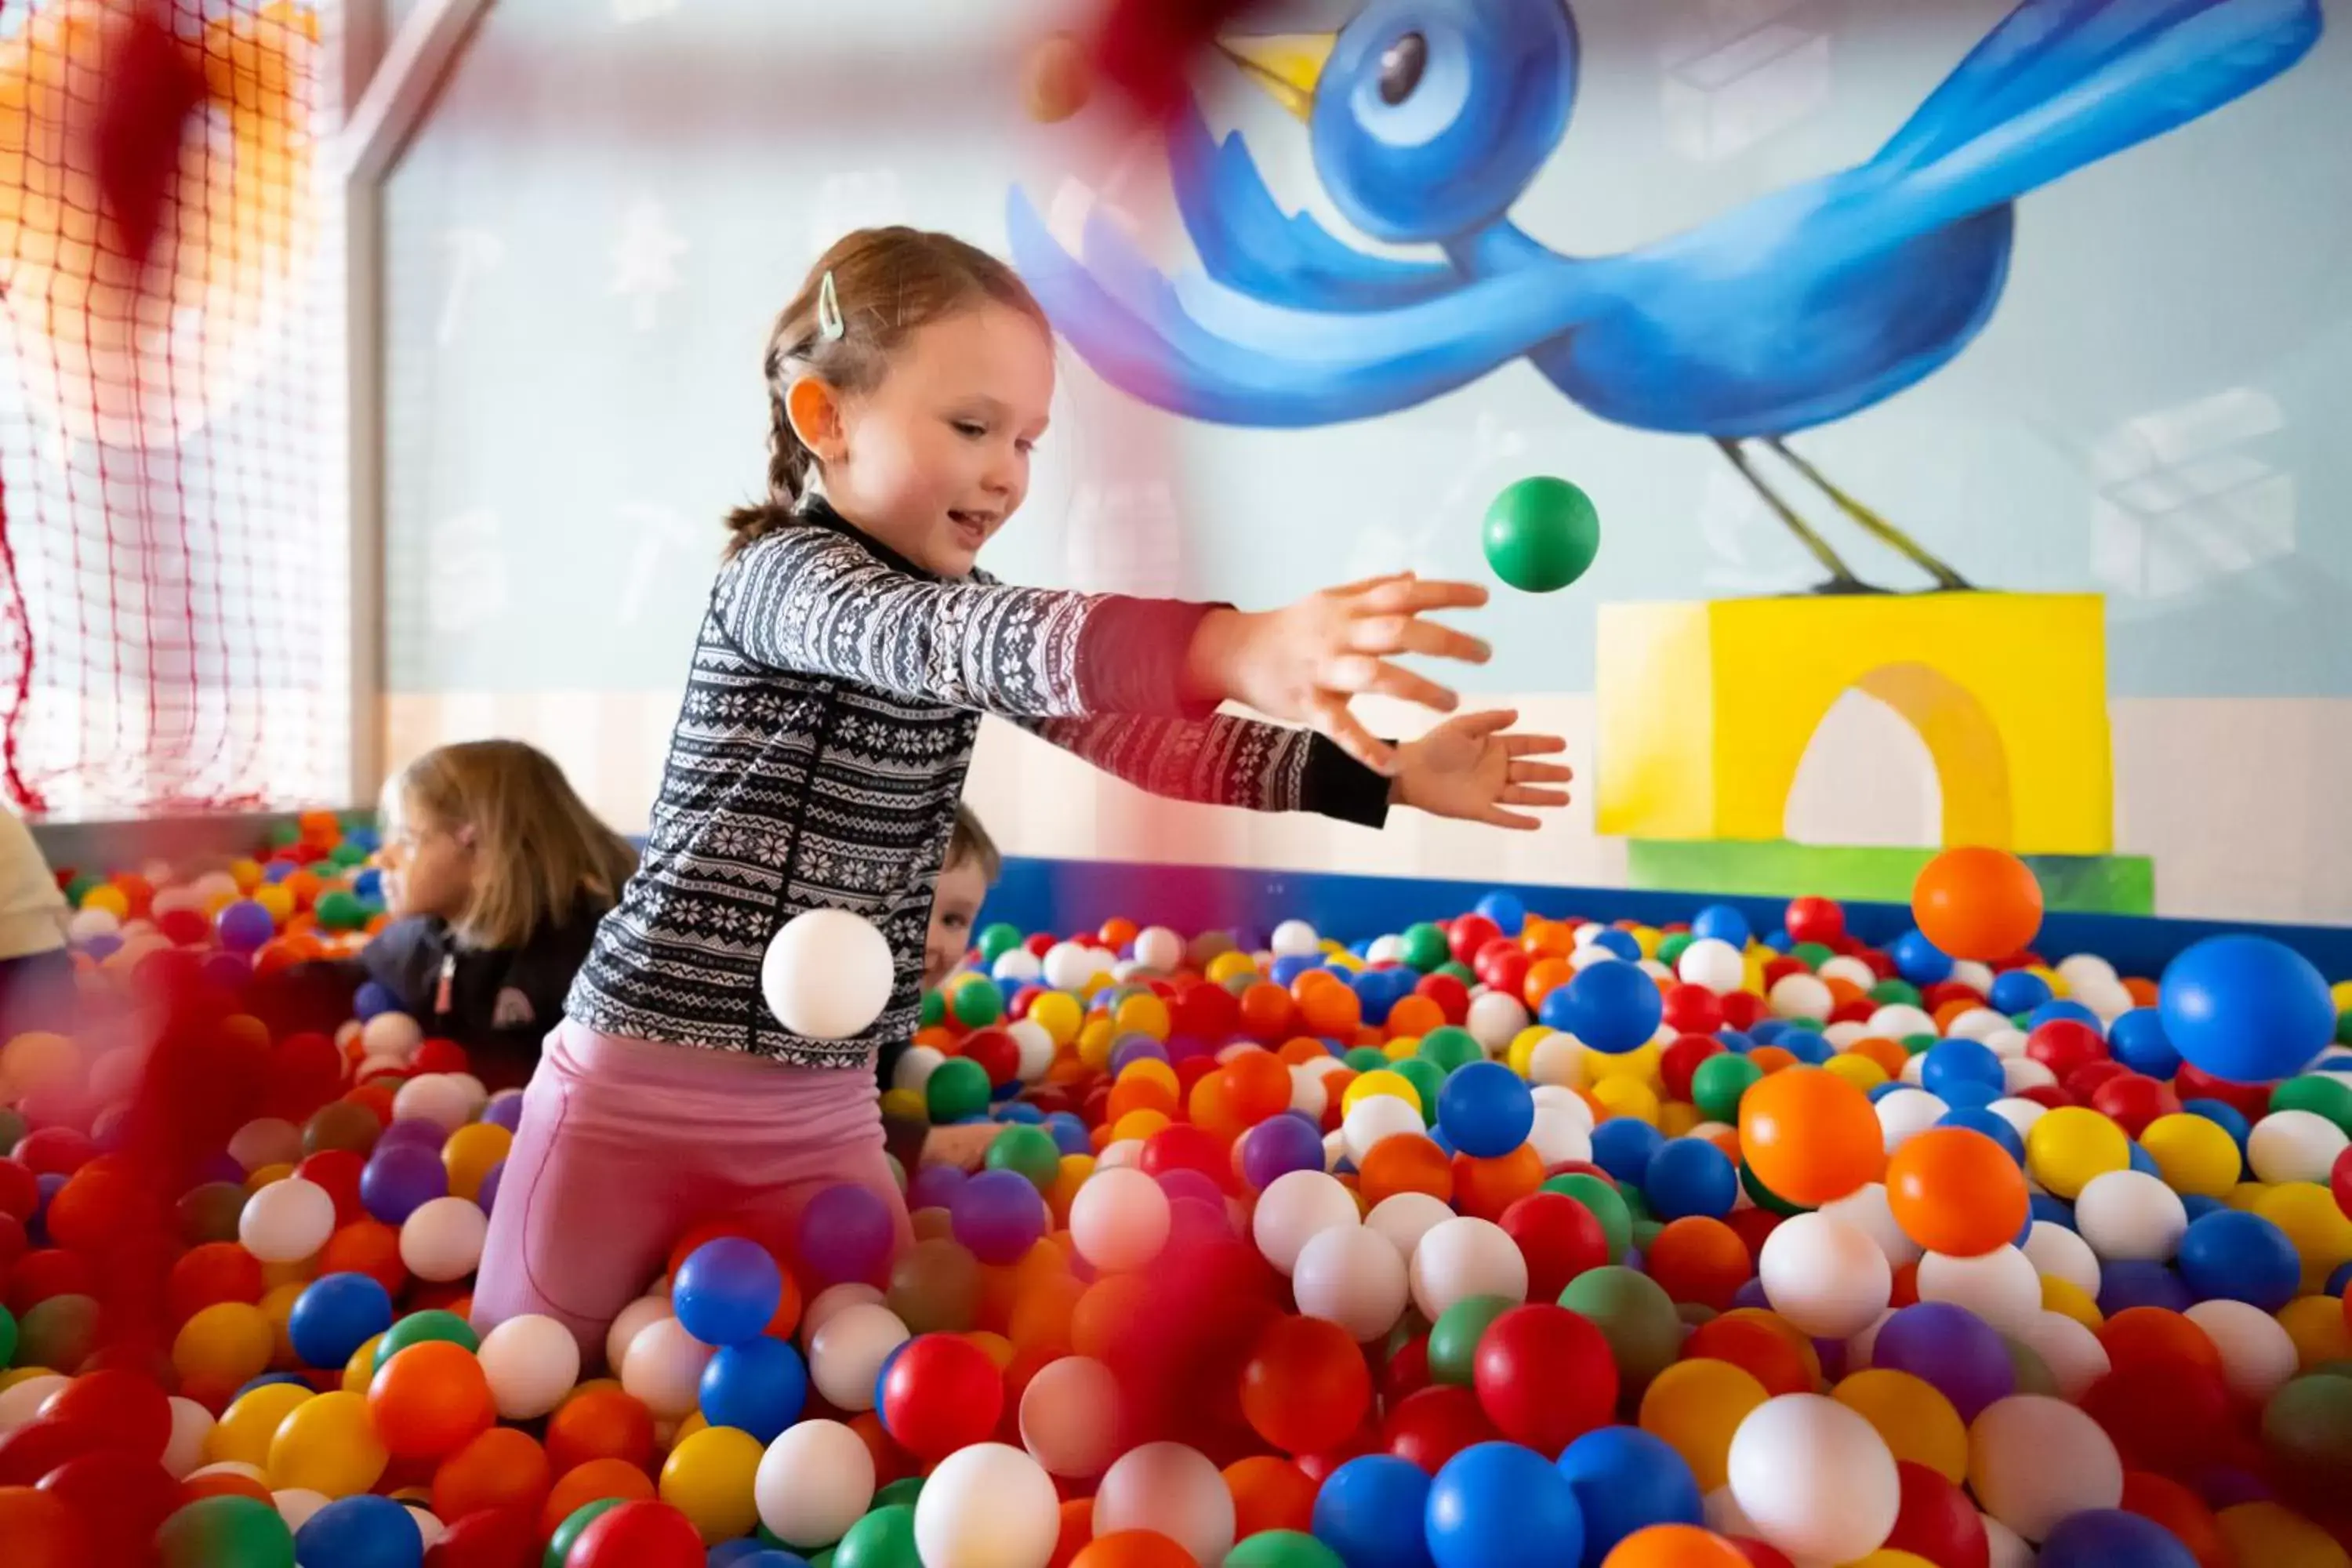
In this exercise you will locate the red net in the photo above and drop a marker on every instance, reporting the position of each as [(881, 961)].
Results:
[(171, 595)]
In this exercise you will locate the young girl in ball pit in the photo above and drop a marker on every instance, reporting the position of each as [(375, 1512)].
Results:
[(848, 651)]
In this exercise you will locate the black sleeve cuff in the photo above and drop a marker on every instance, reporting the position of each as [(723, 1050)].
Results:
[(1339, 786), (1131, 657)]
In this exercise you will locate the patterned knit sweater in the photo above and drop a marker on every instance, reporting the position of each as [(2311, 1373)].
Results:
[(829, 718)]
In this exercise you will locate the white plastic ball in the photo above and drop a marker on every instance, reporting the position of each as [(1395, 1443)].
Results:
[(1827, 1278), (2071, 1351), (1558, 1136), (988, 1505), (664, 1369), (1295, 1207), (1017, 966), (2003, 1547), (1374, 1118), (1653, 969), (1975, 976), (1122, 1155), (1464, 1258), (393, 1035), (1841, 1036), (1913, 1070), (1558, 1059), (266, 1140), (1495, 1017), (1387, 949), (2258, 1356), (1036, 1047), (430, 1527), (1308, 1096), (1120, 1220), (827, 975), (530, 1362), (87, 923), (1558, 1097), (2021, 1114), (2294, 1146), (2032, 1461), (1908, 1112), (1852, 971), (816, 1480), (442, 1240), (184, 1450), (21, 1402), (2059, 1252), (630, 1321), (2130, 1215), (2008, 1043), (2082, 971), (914, 1067), (286, 1221), (846, 1354), (1067, 967), (832, 1298), (1160, 949), (1975, 1025), (1295, 939), (296, 1504), (1713, 962), (1815, 1478), (1900, 1020), (1070, 1416), (1801, 996), (1868, 1209), (2000, 1286), (1584, 958), (432, 1097), (1405, 1217), (1859, 1348), (1353, 1276), (1172, 1488), (2022, 1073)]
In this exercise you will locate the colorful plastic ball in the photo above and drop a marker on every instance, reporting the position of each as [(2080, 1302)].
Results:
[(127, 1407), (2245, 1008), (362, 1532), (1279, 1145), (1542, 534), (2230, 1255), (709, 1478), (286, 1221), (400, 1179), (1809, 1136), (1498, 1505), (1623, 1147), (1486, 1110), (2129, 1216), (638, 1534), (815, 1482), (328, 1444), (532, 1362), (1626, 1479), (759, 1387), (1460, 1258), (1977, 903), (1828, 1278), (2068, 1147), (998, 1215), (1814, 1479), (1635, 1314), (1545, 1376), (1612, 1007), (2034, 1460), (1956, 1191), (1690, 1176), (2112, 1538), (2137, 1040), (1162, 1487), (335, 1315), (726, 1291), (845, 1233), (225, 1532), (1949, 1348), (940, 1393)]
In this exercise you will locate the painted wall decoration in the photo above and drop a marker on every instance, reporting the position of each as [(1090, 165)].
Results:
[(1810, 304)]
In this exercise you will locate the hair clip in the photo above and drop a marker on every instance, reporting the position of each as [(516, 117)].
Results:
[(829, 324)]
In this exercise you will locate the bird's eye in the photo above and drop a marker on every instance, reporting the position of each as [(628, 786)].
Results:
[(1401, 64)]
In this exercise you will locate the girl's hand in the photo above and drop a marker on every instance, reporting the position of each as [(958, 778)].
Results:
[(1305, 664), (963, 1146), (1468, 768)]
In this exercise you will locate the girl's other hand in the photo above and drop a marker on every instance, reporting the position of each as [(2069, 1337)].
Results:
[(1468, 768), (964, 1146)]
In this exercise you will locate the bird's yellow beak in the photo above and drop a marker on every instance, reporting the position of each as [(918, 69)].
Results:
[(1287, 65)]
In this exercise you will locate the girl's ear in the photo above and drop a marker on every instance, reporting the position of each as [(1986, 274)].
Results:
[(815, 409)]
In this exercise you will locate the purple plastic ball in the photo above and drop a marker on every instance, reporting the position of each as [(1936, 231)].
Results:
[(998, 1215), (1277, 1146), (845, 1234), (1951, 1348), (504, 1110), (244, 926), (1183, 1183), (413, 1133), (400, 1179), (934, 1187), (1134, 1047), (487, 1197)]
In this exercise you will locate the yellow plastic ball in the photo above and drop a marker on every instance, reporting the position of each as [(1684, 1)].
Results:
[(277, 899), (214, 902), (2320, 1232), (2341, 992), (2069, 1146), (1068, 1177), (108, 896), (16, 1374), (229, 1341), (1914, 1418), (1140, 1124), (261, 1176), (1639, 1064), (2316, 1324), (1379, 1080), (1694, 1407), (899, 1104), (278, 1306), (471, 1153), (1676, 1118), (244, 1431), (246, 874), (1627, 1096), (1151, 1070), (39, 1059), (695, 1421), (708, 1477), (1059, 1015), (2070, 1299), (2246, 1194), (1405, 1047), (2193, 1154), (1227, 966), (327, 1444), (1860, 1072), (1647, 939), (1520, 1057), (2265, 1533), (1142, 1014), (360, 1370), (1095, 1040), (2051, 978), (295, 1271)]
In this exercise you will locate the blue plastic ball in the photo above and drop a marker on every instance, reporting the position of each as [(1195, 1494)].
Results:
[(1919, 960), (1958, 1061), (759, 1385), (1806, 1046), (1612, 1008), (1505, 909), (2111, 1538), (244, 926), (362, 1531), (334, 1315), (1724, 922), (1070, 1135), (1623, 1147), (998, 1215), (1991, 1124), (1485, 1109), (727, 1291), (1277, 1146), (1767, 1031), (2129, 1283), (1498, 1505), (1690, 1176), (372, 997), (2018, 991), (2068, 1009), (2049, 1206), (1626, 1479), (1291, 966), (2246, 1008), (1370, 1510), (2137, 1040), (2234, 1255), (2225, 1116), (2142, 1160)]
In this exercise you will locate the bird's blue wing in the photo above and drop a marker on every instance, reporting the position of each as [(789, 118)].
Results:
[(1247, 243), (2063, 83), (1213, 355)]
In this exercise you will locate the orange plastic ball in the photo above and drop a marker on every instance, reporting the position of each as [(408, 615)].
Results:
[(1270, 1493), (1809, 1136), (1132, 1548), (1406, 1164), (1414, 1017), (1305, 1386), (1757, 1349), (1955, 1191), (429, 1399), (1700, 1259), (1483, 1189), (1333, 1009), (1266, 1011), (501, 1467), (1674, 1546), (1975, 902), (590, 1482), (600, 1424), (1257, 1085)]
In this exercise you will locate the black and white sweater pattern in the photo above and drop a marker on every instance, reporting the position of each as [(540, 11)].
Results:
[(829, 717)]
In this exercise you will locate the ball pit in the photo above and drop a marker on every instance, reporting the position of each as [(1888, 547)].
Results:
[(1502, 1239)]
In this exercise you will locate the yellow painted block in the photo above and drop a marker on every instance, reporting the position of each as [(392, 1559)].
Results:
[(1706, 710)]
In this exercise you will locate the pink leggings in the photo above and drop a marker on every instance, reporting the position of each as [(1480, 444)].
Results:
[(625, 1143)]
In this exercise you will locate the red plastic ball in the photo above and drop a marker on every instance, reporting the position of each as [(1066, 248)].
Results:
[(337, 1172), (130, 1410), (1432, 1426), (54, 1152), (43, 1531), (1693, 1010), (492, 1537), (1204, 1010), (437, 1055), (1559, 1238), (20, 1189), (1545, 1376), (1452, 997), (1181, 1146), (208, 1275), (1816, 920), (1937, 1521), (48, 1272), (1305, 1386), (997, 1053), (1742, 1009), (2339, 1180), (122, 1497), (2064, 1045), (1680, 1061), (1776, 970), (38, 1447), (2085, 1081), (1469, 937), (2132, 1101), (2250, 1100), (1406, 1374), (941, 1393)]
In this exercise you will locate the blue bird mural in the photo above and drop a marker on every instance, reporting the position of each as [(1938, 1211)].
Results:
[(1428, 119)]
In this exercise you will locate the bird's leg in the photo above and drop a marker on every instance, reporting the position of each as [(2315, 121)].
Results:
[(1842, 577), (1877, 527)]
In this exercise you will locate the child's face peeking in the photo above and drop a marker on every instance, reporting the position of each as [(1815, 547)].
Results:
[(954, 907), (934, 459), (429, 865)]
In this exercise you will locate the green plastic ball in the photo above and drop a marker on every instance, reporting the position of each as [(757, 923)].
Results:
[(347, 854), (575, 1523), (904, 1490), (76, 889), (1915, 1044), (225, 1532), (7, 1336), (1673, 945), (342, 910), (1894, 992), (1636, 1317), (1764, 1197), (1365, 1059), (935, 1010), (1425, 947), (284, 835), (958, 1088), (1282, 1549), (1449, 1046), (1028, 1150), (209, 1213), (978, 1004), (1427, 1080), (418, 1327), (1719, 1083), (1542, 534), (1457, 970), (998, 940), (1607, 1204), (2321, 1093), (1812, 954), (883, 1539), (59, 1334), (1454, 1341)]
